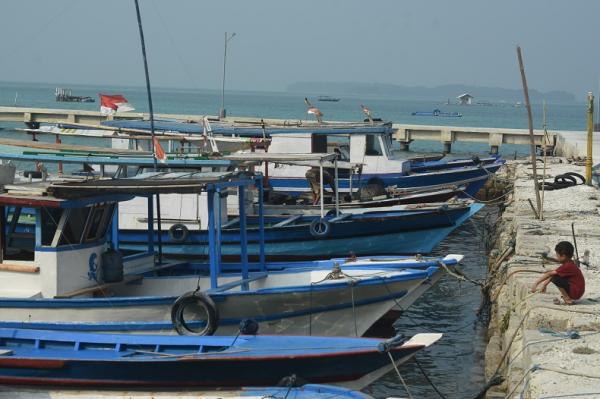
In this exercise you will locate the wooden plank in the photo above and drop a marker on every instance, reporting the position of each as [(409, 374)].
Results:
[(19, 268), (99, 287), (69, 147)]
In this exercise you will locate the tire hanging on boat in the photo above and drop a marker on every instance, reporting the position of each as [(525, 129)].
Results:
[(202, 300), (178, 233), (320, 228)]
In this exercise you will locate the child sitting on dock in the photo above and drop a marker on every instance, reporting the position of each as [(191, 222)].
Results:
[(567, 277)]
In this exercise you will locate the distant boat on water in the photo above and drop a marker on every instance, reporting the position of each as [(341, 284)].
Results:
[(328, 98), (66, 95), (437, 112)]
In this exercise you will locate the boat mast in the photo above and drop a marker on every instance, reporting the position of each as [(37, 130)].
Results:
[(152, 133)]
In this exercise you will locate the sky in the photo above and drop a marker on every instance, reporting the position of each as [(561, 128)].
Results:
[(277, 42)]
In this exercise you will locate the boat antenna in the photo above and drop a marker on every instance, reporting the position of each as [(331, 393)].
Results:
[(152, 133), (148, 91)]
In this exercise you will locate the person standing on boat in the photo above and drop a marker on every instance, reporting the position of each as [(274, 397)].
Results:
[(314, 180)]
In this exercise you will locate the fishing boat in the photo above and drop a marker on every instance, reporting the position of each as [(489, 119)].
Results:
[(51, 358), (292, 391), (368, 160), (438, 112), (60, 269), (304, 236), (328, 99)]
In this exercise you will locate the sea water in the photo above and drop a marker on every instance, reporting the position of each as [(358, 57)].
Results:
[(455, 363)]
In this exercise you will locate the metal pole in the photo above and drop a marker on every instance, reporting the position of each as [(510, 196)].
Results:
[(223, 112), (531, 138), (212, 242), (243, 236), (321, 191), (590, 140), (261, 222), (337, 189)]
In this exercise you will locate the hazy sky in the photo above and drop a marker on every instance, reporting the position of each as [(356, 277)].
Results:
[(279, 42)]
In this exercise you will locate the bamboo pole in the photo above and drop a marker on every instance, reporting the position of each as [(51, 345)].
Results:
[(531, 138), (590, 140)]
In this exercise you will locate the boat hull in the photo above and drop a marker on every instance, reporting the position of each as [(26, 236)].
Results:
[(347, 307), (416, 233), (96, 361)]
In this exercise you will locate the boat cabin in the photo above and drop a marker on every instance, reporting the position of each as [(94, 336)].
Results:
[(60, 239), (370, 147), (50, 246)]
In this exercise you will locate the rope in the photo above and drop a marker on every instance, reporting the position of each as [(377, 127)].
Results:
[(428, 380), (399, 375)]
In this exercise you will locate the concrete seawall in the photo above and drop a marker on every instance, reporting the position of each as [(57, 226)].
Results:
[(532, 342)]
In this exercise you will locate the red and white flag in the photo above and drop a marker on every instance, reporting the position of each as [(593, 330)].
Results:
[(111, 103), (159, 153)]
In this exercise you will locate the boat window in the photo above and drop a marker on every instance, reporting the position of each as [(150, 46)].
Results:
[(73, 229), (373, 147), (19, 233), (50, 220), (318, 143), (98, 222)]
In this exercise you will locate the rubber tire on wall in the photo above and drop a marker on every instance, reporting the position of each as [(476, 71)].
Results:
[(185, 233), (198, 298)]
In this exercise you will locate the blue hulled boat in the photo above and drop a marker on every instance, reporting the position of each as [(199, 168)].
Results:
[(312, 237), (60, 269), (37, 357)]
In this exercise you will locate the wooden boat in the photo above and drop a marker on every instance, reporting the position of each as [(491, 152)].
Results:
[(305, 236), (54, 272), (307, 391), (438, 113), (37, 357)]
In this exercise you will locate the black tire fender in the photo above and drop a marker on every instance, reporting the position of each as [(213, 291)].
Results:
[(320, 228), (194, 298), (178, 233)]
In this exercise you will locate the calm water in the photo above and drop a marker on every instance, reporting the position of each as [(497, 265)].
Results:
[(455, 364)]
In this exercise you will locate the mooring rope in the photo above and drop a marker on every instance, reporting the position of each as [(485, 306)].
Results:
[(399, 375)]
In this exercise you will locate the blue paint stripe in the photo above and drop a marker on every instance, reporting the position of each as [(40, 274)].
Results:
[(167, 300)]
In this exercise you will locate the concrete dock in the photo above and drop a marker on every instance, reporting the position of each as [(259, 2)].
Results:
[(541, 349)]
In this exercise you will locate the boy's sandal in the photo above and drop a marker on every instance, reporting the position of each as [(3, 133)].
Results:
[(560, 301)]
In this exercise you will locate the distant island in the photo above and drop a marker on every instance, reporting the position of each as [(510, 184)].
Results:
[(438, 93)]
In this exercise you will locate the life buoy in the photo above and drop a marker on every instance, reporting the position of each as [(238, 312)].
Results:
[(179, 232), (320, 228), (195, 298)]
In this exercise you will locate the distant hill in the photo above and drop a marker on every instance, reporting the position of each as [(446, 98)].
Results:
[(439, 93)]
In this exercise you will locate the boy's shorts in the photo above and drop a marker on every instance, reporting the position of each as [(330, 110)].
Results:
[(561, 282)]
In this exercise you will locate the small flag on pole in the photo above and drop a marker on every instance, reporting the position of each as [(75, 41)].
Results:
[(159, 153), (111, 103)]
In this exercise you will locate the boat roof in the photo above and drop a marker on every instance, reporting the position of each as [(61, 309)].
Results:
[(150, 183), (74, 192), (246, 128), (312, 159), (37, 195), (147, 161)]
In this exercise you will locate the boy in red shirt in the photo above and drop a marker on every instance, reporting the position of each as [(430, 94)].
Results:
[(567, 277)]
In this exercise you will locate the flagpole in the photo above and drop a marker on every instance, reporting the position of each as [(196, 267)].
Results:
[(150, 108)]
